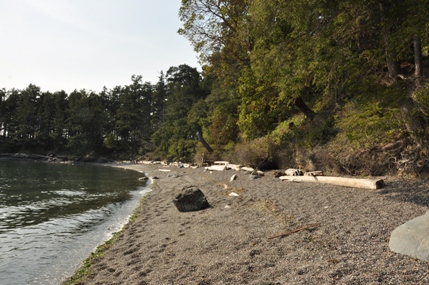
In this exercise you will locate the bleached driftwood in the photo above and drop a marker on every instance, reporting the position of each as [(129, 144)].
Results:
[(341, 181), (216, 167), (164, 170), (221, 163), (233, 166), (314, 173), (245, 168), (293, 172)]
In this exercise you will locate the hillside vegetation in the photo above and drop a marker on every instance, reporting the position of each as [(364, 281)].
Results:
[(339, 86)]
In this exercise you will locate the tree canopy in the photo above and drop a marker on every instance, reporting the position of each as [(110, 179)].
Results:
[(279, 79)]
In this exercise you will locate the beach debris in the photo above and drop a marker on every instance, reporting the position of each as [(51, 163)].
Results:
[(277, 174), (215, 168), (247, 169), (233, 194), (293, 172), (164, 170), (314, 173), (295, 231), (254, 175), (218, 166), (233, 166), (227, 206), (191, 198), (144, 178), (340, 181), (234, 177)]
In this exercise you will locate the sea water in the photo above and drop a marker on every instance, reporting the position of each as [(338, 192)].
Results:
[(52, 216)]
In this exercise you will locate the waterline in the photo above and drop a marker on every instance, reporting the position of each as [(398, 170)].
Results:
[(46, 233)]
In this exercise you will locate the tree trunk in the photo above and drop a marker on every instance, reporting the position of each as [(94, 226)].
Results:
[(392, 65), (418, 58), (203, 141), (304, 108), (412, 121)]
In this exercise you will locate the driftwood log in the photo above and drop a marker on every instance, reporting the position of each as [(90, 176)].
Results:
[(340, 181), (216, 167), (293, 172)]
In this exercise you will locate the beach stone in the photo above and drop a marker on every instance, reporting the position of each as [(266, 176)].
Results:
[(254, 175), (412, 238), (191, 198), (234, 177)]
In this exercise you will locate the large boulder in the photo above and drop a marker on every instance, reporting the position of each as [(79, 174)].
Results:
[(412, 238), (190, 199)]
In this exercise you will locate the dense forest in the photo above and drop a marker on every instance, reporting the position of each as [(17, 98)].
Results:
[(339, 86)]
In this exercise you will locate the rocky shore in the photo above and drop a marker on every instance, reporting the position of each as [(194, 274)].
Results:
[(267, 232)]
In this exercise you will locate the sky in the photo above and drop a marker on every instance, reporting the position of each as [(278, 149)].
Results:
[(89, 44)]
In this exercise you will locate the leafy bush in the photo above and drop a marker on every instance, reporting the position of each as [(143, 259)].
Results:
[(421, 97), (256, 153), (182, 150)]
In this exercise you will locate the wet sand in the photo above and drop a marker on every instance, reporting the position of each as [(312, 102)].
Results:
[(231, 242)]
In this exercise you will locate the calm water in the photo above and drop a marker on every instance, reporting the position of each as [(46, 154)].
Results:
[(53, 216)]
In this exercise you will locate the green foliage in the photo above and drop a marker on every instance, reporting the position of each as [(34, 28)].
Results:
[(320, 133), (184, 114), (256, 152), (368, 125), (181, 150), (421, 97)]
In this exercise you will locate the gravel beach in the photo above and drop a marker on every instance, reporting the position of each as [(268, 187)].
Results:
[(273, 232)]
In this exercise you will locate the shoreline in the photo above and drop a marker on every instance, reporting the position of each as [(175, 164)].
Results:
[(239, 240)]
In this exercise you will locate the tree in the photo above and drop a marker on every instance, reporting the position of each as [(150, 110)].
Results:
[(45, 115), (85, 122), (133, 119), (27, 123), (59, 118), (215, 25), (159, 98), (2, 112), (176, 136)]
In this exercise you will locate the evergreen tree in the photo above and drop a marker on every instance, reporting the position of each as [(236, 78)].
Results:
[(176, 136)]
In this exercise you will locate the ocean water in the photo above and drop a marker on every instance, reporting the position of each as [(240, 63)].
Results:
[(52, 216)]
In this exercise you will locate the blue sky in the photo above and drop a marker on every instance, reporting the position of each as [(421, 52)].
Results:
[(87, 44)]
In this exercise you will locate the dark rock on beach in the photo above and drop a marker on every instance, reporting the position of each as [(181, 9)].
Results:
[(190, 199)]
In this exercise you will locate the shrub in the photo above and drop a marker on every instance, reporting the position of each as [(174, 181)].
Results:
[(421, 97), (256, 153), (369, 125)]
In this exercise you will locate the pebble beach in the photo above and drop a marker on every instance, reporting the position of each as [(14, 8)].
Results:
[(264, 231)]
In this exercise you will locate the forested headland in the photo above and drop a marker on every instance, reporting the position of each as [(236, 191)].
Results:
[(339, 86)]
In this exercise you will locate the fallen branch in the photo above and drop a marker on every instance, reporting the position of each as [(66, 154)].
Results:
[(295, 231)]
